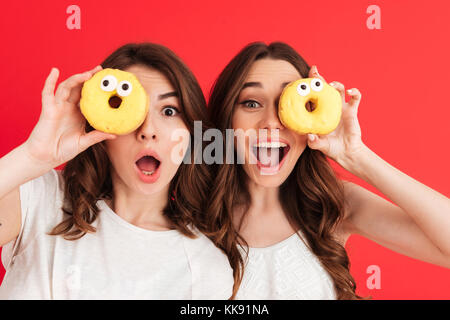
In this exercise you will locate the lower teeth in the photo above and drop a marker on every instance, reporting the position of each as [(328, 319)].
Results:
[(147, 173)]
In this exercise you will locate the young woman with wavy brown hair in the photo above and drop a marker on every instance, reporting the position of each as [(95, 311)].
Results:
[(100, 229), (285, 218)]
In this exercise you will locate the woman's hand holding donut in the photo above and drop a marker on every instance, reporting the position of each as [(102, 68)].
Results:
[(60, 133), (344, 143)]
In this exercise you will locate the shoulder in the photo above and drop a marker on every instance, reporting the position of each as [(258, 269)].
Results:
[(212, 275), (49, 184), (202, 245), (42, 192), (40, 200)]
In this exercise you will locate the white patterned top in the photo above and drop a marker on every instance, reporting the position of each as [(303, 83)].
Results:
[(287, 270)]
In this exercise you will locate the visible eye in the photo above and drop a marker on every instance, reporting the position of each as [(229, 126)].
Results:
[(251, 104), (109, 83), (316, 84), (303, 89), (124, 88), (170, 111)]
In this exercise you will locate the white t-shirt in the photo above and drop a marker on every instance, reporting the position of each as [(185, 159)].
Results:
[(119, 261), (287, 270)]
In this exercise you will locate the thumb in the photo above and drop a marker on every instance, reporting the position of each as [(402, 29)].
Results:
[(314, 142), (94, 137)]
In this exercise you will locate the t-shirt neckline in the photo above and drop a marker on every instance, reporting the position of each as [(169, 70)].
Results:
[(119, 220), (275, 245)]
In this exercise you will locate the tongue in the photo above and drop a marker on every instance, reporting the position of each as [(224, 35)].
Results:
[(147, 164), (269, 156)]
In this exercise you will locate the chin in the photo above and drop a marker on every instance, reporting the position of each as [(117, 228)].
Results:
[(150, 189)]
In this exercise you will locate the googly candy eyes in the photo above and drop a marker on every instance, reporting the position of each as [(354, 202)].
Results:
[(303, 89), (124, 88), (108, 83), (316, 84)]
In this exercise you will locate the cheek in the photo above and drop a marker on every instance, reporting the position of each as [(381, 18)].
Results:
[(301, 140), (118, 147), (300, 143), (242, 120), (242, 125), (174, 142), (113, 147)]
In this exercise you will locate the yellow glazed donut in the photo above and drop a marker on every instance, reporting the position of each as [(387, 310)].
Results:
[(114, 101), (327, 101)]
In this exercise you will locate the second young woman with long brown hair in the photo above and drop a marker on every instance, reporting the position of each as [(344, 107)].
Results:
[(287, 217)]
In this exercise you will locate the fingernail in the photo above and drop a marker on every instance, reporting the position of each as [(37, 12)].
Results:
[(349, 90), (331, 84), (311, 137)]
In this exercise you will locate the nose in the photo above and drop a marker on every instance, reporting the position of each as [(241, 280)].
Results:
[(147, 131), (270, 118)]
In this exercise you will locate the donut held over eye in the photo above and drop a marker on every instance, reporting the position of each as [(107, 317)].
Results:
[(310, 105), (114, 101)]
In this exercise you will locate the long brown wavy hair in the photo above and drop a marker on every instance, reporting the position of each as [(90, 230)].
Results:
[(87, 177), (312, 197)]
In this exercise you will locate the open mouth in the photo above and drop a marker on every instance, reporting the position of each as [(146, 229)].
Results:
[(115, 102), (270, 154), (148, 165), (310, 106)]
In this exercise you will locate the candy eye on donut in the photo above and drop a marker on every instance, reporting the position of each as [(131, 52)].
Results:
[(109, 83), (303, 89), (316, 84), (124, 88)]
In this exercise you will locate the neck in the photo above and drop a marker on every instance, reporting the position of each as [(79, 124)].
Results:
[(265, 222), (142, 210), (263, 199)]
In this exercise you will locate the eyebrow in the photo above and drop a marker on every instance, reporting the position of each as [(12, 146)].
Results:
[(167, 95), (252, 84), (259, 85)]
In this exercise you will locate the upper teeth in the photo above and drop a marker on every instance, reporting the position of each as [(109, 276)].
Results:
[(276, 144)]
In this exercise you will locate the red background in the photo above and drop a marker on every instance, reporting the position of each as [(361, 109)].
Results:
[(401, 71)]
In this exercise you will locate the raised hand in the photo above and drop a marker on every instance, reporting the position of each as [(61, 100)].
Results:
[(60, 133), (345, 141)]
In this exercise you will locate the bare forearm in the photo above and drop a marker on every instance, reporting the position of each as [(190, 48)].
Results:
[(17, 167), (428, 208)]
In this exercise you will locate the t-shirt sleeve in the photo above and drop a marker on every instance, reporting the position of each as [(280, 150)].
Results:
[(40, 201), (212, 275)]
